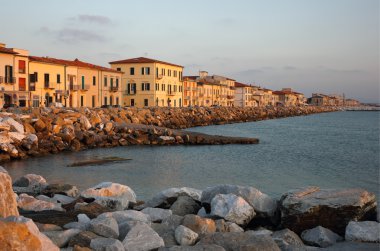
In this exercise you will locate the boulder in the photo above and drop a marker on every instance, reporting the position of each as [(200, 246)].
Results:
[(320, 237), (142, 237), (14, 125), (39, 125), (111, 195), (185, 205), (30, 141), (173, 221), (198, 224), (57, 198), (166, 198), (64, 189), (16, 136), (232, 208), (233, 227), (365, 231), (127, 215), (206, 247), (185, 236), (166, 233), (62, 238), (106, 227), (261, 202), (8, 203), (33, 181), (29, 203), (20, 233), (157, 214), (106, 244), (83, 239), (240, 241), (310, 207), (287, 240), (48, 227)]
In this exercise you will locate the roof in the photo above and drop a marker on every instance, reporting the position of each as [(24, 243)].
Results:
[(142, 60), (190, 77), (7, 50), (237, 84), (278, 92), (75, 62)]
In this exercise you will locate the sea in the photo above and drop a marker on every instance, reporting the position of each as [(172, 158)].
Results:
[(329, 150)]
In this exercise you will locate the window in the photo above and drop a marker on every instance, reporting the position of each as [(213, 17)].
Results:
[(58, 78), (82, 82), (105, 81), (156, 71), (157, 87), (163, 87), (21, 66), (147, 86), (111, 100), (81, 100), (132, 71), (46, 80), (146, 102), (105, 100), (175, 74), (93, 100), (147, 70), (117, 100), (117, 82), (93, 80), (142, 70), (111, 82), (8, 74), (143, 86), (118, 69)]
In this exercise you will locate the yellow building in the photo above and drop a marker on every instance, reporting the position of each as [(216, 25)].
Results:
[(13, 76), (73, 83), (150, 82), (244, 96), (190, 91)]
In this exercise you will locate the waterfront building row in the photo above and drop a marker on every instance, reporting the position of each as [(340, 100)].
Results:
[(319, 99)]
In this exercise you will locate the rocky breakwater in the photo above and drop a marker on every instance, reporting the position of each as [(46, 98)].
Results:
[(109, 216)]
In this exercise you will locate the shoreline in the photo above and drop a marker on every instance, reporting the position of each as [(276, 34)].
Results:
[(46, 131)]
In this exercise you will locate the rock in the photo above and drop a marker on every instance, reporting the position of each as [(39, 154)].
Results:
[(166, 233), (76, 225), (83, 239), (29, 203), (233, 227), (30, 141), (82, 218), (111, 195), (106, 227), (240, 241), (142, 237), (173, 221), (8, 203), (64, 189), (165, 198), (310, 207), (202, 213), (58, 199), (62, 238), (16, 136), (185, 205), (105, 244), (92, 209), (185, 236), (39, 125), (33, 181), (48, 227), (365, 231), (260, 202), (199, 225), (352, 246), (20, 233), (194, 248), (157, 214), (14, 125), (320, 237), (4, 126), (232, 208), (85, 122), (126, 215), (288, 240)]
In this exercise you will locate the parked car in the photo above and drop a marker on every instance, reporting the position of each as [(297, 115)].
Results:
[(5, 106)]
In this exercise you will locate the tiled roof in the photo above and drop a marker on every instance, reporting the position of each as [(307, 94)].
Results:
[(7, 50), (237, 84), (191, 77), (278, 93), (75, 62), (142, 60)]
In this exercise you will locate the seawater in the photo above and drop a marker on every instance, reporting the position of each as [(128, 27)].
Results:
[(330, 150)]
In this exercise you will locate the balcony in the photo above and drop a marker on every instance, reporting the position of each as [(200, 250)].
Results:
[(74, 87), (114, 88), (22, 88), (49, 85), (232, 88), (172, 93), (84, 87), (32, 87), (230, 97), (8, 80), (159, 76), (21, 71), (131, 92)]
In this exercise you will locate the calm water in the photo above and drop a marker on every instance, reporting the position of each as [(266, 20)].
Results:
[(330, 150)]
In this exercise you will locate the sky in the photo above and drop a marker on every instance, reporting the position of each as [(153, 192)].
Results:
[(323, 46)]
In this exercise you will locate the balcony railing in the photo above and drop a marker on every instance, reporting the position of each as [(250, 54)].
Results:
[(74, 87), (22, 88), (114, 88), (84, 87), (49, 85), (32, 88), (130, 92), (159, 76), (172, 93), (21, 70), (7, 80)]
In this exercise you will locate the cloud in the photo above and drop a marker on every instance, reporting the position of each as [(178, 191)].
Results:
[(73, 36), (289, 68), (103, 20), (341, 71)]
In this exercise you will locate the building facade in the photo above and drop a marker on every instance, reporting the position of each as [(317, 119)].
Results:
[(150, 82)]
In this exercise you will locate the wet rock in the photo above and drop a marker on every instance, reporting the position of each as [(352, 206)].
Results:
[(111, 195), (310, 207), (106, 227), (20, 233), (320, 237), (142, 237), (232, 208), (29, 203), (288, 240), (185, 236), (260, 202), (8, 203), (157, 214), (61, 238), (106, 244), (365, 231), (185, 205), (240, 241), (65, 189), (199, 225), (166, 198)]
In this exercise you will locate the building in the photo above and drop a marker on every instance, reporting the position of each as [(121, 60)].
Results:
[(190, 91), (244, 95), (318, 99), (13, 76), (73, 83), (150, 82), (288, 97)]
